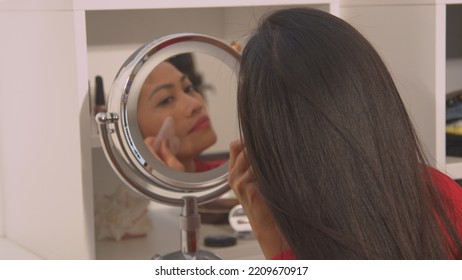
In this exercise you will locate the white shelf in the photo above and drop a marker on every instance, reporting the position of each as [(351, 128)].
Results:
[(147, 4), (164, 238), (95, 5), (449, 2), (95, 141), (453, 74), (453, 70), (9, 250), (454, 167), (346, 3), (60, 31)]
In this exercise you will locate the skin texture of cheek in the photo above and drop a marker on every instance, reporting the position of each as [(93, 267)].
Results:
[(192, 145), (148, 122), (151, 121)]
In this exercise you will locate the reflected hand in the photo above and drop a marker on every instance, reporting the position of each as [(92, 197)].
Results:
[(242, 182), (164, 154)]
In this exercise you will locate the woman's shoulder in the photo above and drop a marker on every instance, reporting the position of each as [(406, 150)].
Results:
[(284, 255), (453, 191)]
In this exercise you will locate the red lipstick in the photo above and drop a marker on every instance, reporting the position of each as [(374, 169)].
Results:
[(201, 123)]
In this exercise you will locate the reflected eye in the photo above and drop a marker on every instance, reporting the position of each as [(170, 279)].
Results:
[(165, 101), (190, 89)]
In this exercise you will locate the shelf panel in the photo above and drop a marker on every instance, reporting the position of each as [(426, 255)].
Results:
[(396, 2), (148, 4), (100, 5), (454, 167), (165, 238), (11, 251), (453, 74), (95, 141), (450, 2)]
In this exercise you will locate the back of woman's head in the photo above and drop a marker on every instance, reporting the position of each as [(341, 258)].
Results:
[(331, 144)]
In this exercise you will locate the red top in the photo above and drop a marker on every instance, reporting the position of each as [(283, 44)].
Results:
[(202, 166), (451, 189)]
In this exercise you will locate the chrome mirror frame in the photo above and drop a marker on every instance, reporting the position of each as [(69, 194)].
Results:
[(130, 158), (120, 134)]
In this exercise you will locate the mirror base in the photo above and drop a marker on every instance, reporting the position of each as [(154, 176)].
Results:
[(178, 255)]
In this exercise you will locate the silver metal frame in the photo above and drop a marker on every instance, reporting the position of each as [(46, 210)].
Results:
[(120, 133), (128, 155)]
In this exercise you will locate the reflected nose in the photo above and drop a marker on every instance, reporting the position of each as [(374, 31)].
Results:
[(191, 105)]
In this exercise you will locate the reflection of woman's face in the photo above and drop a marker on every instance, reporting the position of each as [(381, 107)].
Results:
[(167, 92)]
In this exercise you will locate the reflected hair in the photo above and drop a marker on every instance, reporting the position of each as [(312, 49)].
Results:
[(332, 147), (184, 62)]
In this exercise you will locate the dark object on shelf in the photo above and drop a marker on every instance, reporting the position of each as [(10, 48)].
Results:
[(453, 123), (220, 241), (454, 145), (217, 211), (454, 106), (100, 102)]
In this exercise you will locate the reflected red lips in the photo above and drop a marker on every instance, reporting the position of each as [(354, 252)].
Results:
[(201, 123)]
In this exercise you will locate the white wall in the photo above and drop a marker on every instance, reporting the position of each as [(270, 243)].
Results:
[(41, 154), (107, 50), (453, 49), (453, 75), (409, 39), (3, 29), (2, 226)]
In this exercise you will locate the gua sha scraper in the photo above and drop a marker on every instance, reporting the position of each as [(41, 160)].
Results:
[(167, 132)]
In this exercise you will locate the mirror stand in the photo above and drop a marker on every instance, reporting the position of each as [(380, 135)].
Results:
[(130, 158), (190, 221), (189, 218)]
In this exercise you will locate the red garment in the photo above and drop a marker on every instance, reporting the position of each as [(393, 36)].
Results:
[(285, 255), (454, 193), (202, 166), (448, 186)]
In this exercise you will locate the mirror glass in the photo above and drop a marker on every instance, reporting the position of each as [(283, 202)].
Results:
[(186, 112)]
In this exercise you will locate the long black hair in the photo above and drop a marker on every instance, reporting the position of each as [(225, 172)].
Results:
[(332, 147)]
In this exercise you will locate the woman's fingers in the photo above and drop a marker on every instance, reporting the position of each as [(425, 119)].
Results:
[(234, 149), (149, 141), (168, 157), (240, 175), (163, 154), (242, 182), (238, 162)]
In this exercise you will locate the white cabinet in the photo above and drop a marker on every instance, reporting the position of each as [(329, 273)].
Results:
[(49, 158), (51, 163), (44, 115), (412, 36)]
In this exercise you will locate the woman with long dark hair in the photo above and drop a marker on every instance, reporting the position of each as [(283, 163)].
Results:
[(329, 166)]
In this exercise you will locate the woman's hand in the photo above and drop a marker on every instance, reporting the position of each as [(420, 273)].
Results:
[(164, 154), (242, 182)]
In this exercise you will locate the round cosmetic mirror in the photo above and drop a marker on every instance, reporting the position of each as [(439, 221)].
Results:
[(149, 90)]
